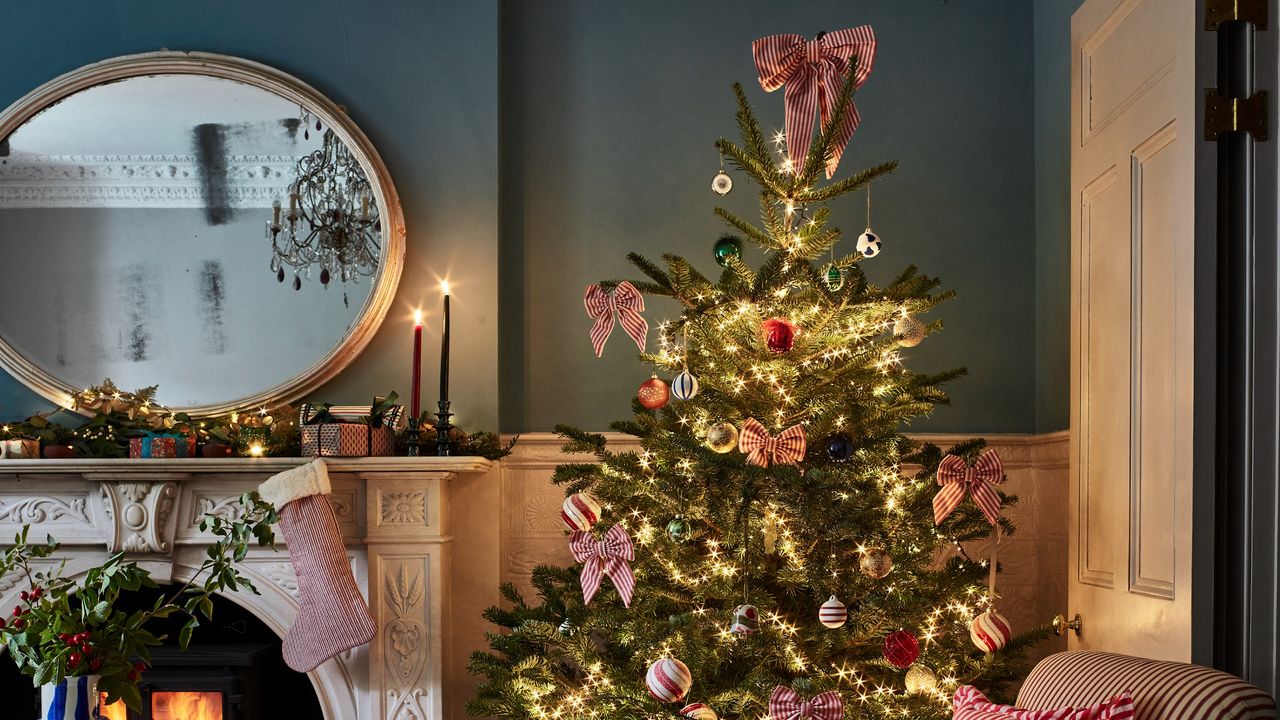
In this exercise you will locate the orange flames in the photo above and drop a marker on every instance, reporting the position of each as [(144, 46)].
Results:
[(173, 706), (114, 711)]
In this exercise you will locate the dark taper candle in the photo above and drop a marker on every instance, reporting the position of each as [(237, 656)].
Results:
[(444, 347), (415, 395)]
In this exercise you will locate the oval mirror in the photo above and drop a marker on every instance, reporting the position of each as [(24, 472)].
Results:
[(197, 222)]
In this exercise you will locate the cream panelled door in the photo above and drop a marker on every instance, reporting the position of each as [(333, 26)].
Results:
[(1133, 127)]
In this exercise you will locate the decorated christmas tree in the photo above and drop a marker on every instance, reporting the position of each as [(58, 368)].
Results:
[(778, 547)]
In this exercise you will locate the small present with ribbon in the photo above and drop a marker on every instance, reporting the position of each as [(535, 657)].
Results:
[(162, 445), (20, 448), (978, 481), (351, 430)]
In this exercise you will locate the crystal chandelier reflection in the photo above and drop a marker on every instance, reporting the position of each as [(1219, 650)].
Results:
[(332, 222)]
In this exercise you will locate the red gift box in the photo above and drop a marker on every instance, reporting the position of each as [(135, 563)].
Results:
[(347, 440)]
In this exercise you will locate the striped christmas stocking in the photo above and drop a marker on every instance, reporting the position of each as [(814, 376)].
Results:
[(332, 617)]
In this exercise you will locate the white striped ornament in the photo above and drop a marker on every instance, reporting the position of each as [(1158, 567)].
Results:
[(684, 386), (699, 711), (580, 512), (833, 613), (668, 680), (990, 631)]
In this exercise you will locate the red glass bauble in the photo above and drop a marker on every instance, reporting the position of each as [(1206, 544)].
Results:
[(653, 393), (780, 334), (901, 649)]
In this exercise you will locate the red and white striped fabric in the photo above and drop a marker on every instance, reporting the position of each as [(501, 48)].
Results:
[(970, 704), (611, 555), (763, 449), (627, 302), (957, 478), (786, 704), (813, 72), (1161, 690)]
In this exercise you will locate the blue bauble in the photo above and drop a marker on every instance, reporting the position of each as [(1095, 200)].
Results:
[(839, 447)]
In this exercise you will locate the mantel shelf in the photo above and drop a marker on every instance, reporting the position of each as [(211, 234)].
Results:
[(220, 466)]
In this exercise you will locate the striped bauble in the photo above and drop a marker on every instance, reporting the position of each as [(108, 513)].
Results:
[(833, 613), (990, 631), (684, 386), (699, 711), (668, 680), (580, 512)]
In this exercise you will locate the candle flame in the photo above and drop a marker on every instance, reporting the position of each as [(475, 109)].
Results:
[(256, 450), (417, 317), (444, 286)]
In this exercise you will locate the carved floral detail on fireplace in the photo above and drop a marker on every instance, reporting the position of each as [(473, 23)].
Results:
[(403, 639), (404, 508), (45, 509)]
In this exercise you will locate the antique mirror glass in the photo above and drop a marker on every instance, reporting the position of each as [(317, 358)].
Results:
[(196, 222)]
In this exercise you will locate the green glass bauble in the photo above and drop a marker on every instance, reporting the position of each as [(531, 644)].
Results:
[(678, 529), (834, 278), (727, 247)]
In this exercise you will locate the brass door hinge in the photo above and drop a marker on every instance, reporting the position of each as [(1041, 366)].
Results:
[(1224, 115), (1217, 12)]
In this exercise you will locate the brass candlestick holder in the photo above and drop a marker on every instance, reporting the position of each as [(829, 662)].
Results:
[(444, 445)]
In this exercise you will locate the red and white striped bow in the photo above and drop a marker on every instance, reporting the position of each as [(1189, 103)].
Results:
[(610, 555), (627, 302), (785, 704), (957, 478), (764, 449), (813, 72)]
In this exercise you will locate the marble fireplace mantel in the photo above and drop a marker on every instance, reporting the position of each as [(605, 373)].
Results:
[(394, 518)]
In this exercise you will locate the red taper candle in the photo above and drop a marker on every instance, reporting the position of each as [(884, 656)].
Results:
[(416, 394)]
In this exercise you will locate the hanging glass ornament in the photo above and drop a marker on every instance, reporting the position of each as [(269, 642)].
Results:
[(728, 246), (876, 563), (901, 649), (839, 447), (746, 620), (678, 529), (684, 386), (722, 437), (653, 393), (721, 184), (908, 331), (834, 278), (920, 680)]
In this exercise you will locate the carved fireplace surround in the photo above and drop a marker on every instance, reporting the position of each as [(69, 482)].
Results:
[(394, 517)]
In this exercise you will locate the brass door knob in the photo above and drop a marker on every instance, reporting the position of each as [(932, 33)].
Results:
[(1061, 624)]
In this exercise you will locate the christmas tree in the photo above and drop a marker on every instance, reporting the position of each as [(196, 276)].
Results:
[(774, 542)]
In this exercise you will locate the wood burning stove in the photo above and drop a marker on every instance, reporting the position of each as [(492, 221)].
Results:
[(207, 682)]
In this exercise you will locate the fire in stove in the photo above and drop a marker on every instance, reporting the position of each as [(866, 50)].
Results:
[(172, 706)]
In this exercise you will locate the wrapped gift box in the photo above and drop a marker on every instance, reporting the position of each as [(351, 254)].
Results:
[(350, 434), (347, 440), (162, 446), (20, 448)]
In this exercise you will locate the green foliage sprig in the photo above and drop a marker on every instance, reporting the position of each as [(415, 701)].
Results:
[(66, 628)]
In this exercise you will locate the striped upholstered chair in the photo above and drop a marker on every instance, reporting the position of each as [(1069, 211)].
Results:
[(1161, 690)]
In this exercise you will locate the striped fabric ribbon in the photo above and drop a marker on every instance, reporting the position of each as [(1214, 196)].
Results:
[(786, 704), (627, 302), (957, 479), (75, 698), (970, 704), (813, 72), (763, 449), (610, 555)]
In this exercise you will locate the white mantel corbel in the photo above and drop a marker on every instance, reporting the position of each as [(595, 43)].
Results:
[(392, 512)]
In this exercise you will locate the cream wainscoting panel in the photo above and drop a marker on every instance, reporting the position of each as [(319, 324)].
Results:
[(1034, 558)]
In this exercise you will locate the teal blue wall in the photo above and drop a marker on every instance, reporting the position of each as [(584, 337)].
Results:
[(1052, 38), (535, 143), (609, 115), (419, 77)]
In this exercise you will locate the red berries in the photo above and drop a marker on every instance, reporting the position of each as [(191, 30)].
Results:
[(139, 667), (18, 623), (74, 658), (17, 610), (24, 595)]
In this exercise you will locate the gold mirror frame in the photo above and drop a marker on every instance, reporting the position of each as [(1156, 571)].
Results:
[(286, 86)]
